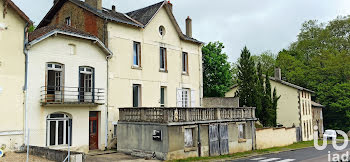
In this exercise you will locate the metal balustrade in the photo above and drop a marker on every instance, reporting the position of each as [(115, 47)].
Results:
[(55, 95)]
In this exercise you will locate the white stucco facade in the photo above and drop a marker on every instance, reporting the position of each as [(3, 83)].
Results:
[(122, 74), (57, 49)]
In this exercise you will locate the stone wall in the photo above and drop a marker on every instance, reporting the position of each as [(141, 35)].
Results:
[(221, 102), (55, 155), (275, 137)]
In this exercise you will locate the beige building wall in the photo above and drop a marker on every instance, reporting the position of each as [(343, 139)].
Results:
[(122, 74), (290, 108), (57, 49), (12, 72), (271, 137)]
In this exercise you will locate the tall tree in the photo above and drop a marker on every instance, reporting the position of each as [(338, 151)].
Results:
[(260, 93), (246, 79), (267, 104), (275, 99), (217, 72)]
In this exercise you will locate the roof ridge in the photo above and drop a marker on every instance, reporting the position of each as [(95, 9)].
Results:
[(147, 7)]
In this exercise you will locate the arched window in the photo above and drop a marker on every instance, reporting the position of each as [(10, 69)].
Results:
[(58, 126)]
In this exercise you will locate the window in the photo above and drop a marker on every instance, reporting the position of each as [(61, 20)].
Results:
[(163, 59), (185, 62), (137, 54), (54, 82), (68, 21), (162, 30), (136, 99), (72, 49), (185, 98), (162, 96), (86, 84), (241, 131), (115, 131), (58, 126), (188, 137), (303, 108)]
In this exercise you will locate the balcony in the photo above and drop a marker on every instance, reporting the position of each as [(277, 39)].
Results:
[(72, 96), (185, 115)]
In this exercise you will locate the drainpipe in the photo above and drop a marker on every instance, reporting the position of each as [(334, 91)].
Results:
[(107, 92), (199, 141), (25, 87)]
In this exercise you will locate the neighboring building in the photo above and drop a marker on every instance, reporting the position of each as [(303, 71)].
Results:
[(176, 133), (317, 117), (294, 106), (13, 27), (154, 63), (67, 78)]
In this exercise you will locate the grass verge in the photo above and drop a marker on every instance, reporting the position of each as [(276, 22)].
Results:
[(294, 146)]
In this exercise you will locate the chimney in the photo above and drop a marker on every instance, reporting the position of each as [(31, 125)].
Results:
[(189, 27), (113, 8), (170, 6), (278, 75), (95, 3)]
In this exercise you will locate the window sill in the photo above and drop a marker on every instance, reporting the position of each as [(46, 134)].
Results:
[(188, 149), (163, 71), (185, 73), (136, 67), (242, 140)]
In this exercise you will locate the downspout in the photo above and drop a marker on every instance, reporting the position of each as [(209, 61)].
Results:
[(107, 91), (199, 141), (25, 87)]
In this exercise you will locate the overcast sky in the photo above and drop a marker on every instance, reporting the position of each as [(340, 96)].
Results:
[(261, 25)]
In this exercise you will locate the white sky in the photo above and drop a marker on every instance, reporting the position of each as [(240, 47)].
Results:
[(261, 25)]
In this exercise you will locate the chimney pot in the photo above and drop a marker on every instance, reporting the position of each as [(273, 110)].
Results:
[(278, 75), (170, 6), (189, 27), (97, 4), (113, 8)]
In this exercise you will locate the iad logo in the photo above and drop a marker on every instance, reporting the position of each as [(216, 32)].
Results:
[(334, 143)]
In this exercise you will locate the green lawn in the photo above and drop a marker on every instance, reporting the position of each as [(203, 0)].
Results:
[(298, 145)]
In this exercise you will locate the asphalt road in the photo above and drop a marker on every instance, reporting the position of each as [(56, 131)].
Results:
[(307, 155)]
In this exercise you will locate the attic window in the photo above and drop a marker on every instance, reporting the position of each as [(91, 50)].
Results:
[(162, 30), (68, 21)]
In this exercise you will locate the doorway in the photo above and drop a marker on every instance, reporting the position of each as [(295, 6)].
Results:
[(93, 130), (86, 82)]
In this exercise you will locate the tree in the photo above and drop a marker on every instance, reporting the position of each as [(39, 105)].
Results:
[(246, 79), (275, 99), (267, 104), (267, 60), (260, 93), (217, 72)]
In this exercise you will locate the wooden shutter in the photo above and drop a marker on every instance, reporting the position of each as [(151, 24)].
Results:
[(223, 129), (214, 143), (179, 97), (193, 98)]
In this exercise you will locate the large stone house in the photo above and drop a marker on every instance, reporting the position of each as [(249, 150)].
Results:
[(294, 106), (153, 65), (13, 27)]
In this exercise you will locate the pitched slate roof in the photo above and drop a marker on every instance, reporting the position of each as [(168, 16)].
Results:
[(144, 15), (315, 104), (18, 10), (139, 18), (44, 30), (284, 83)]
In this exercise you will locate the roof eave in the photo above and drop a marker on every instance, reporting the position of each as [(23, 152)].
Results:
[(57, 31)]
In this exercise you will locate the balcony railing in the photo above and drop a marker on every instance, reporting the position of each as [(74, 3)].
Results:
[(170, 115), (51, 95)]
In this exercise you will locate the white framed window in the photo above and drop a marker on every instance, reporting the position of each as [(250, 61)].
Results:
[(136, 95), (188, 137), (68, 21), (186, 98), (137, 54), (163, 59), (241, 131), (58, 126), (54, 82), (162, 96)]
